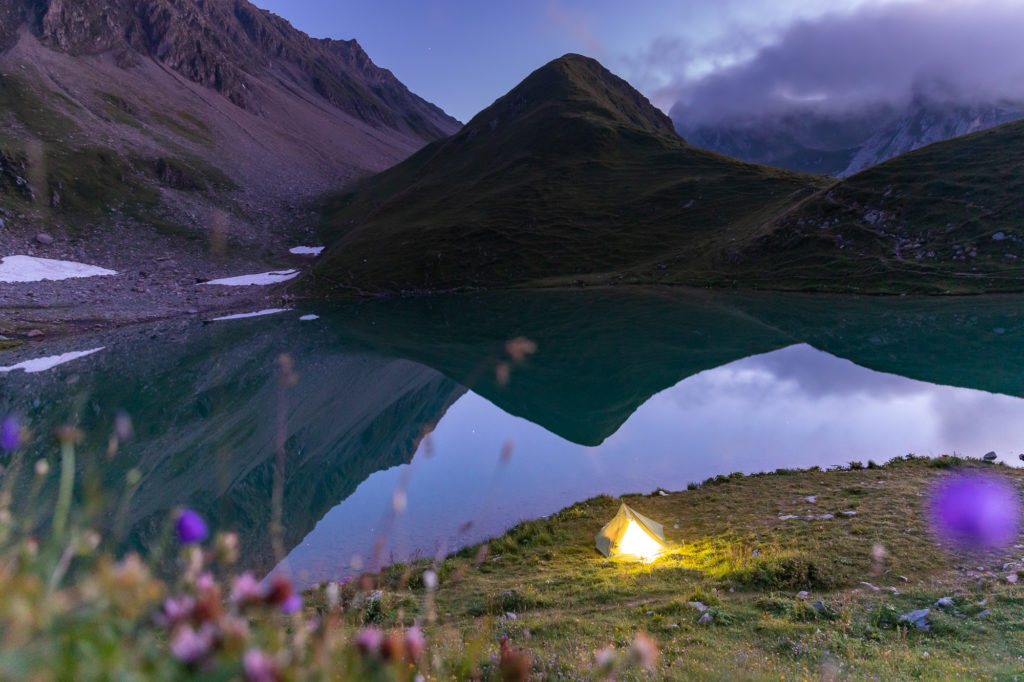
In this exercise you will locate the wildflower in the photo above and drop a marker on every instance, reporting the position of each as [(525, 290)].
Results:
[(975, 512), (291, 604), (605, 657), (191, 527), (280, 591), (176, 610), (520, 348), (415, 643), (246, 590), (10, 434), (644, 650), (188, 646), (514, 664), (234, 631), (430, 580), (369, 640), (259, 667), (333, 593), (42, 468), (123, 428), (226, 545), (205, 582), (393, 647)]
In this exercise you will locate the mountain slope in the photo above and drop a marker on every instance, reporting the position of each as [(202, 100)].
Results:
[(944, 218), (208, 119), (843, 144), (571, 174)]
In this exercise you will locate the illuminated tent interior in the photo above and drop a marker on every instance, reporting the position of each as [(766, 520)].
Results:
[(631, 534)]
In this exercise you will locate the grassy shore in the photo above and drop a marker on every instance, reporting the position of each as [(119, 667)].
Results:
[(746, 548), (795, 575)]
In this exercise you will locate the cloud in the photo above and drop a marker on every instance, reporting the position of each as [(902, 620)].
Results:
[(961, 51)]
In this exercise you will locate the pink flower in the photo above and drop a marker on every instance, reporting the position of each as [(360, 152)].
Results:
[(205, 582), (188, 646), (369, 640), (176, 609), (415, 642), (259, 667), (246, 590)]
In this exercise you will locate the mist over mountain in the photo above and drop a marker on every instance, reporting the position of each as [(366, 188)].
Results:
[(845, 92)]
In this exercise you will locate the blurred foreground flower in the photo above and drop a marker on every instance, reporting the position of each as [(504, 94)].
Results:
[(975, 512), (10, 434), (191, 527), (259, 667), (369, 640)]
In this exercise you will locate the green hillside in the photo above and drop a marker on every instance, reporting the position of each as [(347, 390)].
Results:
[(571, 175), (574, 178), (949, 217)]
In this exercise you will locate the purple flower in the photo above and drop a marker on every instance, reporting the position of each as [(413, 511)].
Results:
[(291, 604), (258, 666), (10, 434), (975, 512), (191, 527)]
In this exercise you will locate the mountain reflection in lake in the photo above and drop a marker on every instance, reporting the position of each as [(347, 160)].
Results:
[(795, 407), (628, 391)]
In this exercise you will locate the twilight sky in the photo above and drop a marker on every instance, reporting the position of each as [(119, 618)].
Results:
[(725, 53)]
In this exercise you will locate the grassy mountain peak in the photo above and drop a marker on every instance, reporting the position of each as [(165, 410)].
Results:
[(572, 174), (575, 85)]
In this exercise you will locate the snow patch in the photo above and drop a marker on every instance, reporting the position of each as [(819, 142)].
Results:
[(43, 364), (258, 313), (309, 318), (260, 279), (32, 269), (307, 250)]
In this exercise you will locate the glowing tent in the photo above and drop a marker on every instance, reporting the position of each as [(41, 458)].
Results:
[(631, 534)]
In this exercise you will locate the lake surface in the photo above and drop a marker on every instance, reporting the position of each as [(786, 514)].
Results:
[(420, 401)]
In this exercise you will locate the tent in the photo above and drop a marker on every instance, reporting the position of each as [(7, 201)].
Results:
[(631, 534)]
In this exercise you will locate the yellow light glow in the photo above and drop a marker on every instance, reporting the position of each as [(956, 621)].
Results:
[(638, 543)]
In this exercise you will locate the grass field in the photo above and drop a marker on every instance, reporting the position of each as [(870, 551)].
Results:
[(545, 587)]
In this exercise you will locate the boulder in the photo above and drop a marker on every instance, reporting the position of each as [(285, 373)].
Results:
[(919, 619)]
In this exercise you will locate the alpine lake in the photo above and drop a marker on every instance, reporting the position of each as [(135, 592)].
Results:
[(411, 427)]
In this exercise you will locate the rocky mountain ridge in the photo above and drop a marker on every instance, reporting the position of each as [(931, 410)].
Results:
[(199, 131), (222, 45), (842, 144)]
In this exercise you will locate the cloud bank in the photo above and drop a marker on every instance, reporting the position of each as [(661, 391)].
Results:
[(958, 51)]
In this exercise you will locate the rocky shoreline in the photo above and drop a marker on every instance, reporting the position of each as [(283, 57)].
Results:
[(157, 280)]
